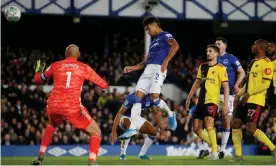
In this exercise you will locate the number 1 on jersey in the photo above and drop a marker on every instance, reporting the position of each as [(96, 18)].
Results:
[(68, 74)]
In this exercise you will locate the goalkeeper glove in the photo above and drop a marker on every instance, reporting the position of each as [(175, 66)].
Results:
[(39, 67)]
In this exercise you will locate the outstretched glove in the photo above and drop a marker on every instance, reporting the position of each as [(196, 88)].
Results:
[(39, 67)]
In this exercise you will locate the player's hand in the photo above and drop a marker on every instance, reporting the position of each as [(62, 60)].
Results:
[(113, 137), (129, 69), (245, 98), (186, 128), (164, 66), (188, 100), (39, 67), (236, 101), (236, 89)]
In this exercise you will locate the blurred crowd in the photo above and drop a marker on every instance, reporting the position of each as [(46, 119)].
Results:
[(23, 115)]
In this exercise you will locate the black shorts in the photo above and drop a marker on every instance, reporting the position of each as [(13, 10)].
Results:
[(203, 110), (249, 112)]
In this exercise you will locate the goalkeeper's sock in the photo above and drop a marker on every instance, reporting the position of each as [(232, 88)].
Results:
[(124, 145), (213, 139), (274, 125), (237, 141), (263, 139), (46, 139), (202, 134), (95, 142), (147, 144)]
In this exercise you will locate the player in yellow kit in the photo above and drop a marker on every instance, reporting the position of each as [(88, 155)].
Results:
[(210, 77), (253, 96), (271, 50)]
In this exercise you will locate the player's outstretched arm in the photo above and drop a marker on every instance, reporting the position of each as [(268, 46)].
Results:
[(116, 123), (139, 66), (41, 76), (95, 78)]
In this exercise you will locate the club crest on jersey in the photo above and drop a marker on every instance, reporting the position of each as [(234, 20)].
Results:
[(125, 102), (256, 65), (267, 71), (225, 61)]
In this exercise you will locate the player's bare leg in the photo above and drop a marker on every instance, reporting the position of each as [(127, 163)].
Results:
[(202, 134), (45, 142), (135, 116), (95, 141), (261, 136), (225, 134), (237, 139), (146, 128), (209, 124)]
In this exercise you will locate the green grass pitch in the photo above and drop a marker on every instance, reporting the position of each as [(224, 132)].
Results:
[(133, 160)]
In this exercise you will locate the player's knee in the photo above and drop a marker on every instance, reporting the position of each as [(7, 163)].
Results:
[(236, 124), (209, 121), (251, 128), (126, 123)]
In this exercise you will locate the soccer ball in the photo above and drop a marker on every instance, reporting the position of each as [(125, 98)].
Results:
[(12, 14)]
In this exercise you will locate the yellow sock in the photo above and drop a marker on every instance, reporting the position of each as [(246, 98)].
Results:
[(237, 141), (263, 138), (202, 134), (213, 139), (274, 125)]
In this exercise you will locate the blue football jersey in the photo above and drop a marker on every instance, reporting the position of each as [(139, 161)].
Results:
[(232, 64), (159, 48), (129, 101)]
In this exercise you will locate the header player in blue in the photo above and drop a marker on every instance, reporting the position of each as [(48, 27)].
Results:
[(162, 49), (123, 120), (235, 76)]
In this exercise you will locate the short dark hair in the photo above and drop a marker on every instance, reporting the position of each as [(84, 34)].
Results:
[(215, 47), (273, 42), (262, 43), (151, 19), (222, 39)]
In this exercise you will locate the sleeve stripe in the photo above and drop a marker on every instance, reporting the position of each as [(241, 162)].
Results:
[(42, 76), (198, 78), (267, 79), (124, 106), (224, 81)]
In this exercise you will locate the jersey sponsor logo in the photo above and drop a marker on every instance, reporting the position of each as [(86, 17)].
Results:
[(238, 63), (225, 61), (126, 102), (70, 65), (169, 35), (155, 44), (268, 71)]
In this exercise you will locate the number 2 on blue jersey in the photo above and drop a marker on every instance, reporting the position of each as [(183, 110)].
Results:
[(157, 75)]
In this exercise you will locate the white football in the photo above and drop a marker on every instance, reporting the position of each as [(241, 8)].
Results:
[(12, 14)]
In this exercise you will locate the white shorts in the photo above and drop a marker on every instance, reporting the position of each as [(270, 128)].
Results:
[(151, 80), (230, 104), (138, 125)]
